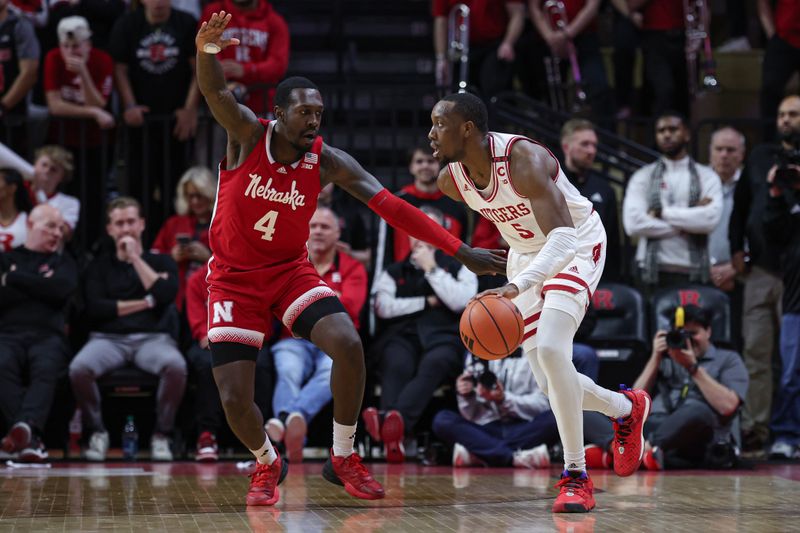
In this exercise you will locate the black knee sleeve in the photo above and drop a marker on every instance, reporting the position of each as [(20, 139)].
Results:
[(312, 314), (229, 352)]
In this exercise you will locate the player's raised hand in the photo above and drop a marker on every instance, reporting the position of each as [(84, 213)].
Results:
[(482, 261), (209, 38)]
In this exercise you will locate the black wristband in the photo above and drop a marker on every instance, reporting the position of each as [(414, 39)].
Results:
[(693, 369)]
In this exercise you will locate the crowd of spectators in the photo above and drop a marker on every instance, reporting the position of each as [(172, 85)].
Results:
[(142, 302)]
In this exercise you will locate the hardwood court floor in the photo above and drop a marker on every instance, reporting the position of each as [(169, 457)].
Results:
[(179, 497)]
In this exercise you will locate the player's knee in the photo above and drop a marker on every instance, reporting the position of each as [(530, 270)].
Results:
[(233, 397), (347, 347)]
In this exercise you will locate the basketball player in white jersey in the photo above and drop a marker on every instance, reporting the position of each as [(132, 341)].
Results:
[(557, 251)]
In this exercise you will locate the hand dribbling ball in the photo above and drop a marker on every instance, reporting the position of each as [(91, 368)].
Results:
[(492, 327)]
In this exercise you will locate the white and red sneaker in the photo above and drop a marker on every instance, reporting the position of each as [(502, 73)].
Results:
[(576, 493), (597, 458), (207, 449), (295, 437), (353, 476), (264, 482), (629, 433)]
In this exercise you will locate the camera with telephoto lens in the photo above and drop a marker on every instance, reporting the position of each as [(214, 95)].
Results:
[(481, 375), (677, 336), (787, 177)]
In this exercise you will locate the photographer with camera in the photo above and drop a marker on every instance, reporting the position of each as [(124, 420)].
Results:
[(782, 228), (505, 419), (697, 389), (757, 262)]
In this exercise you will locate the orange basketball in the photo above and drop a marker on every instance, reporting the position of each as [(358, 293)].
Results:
[(492, 327)]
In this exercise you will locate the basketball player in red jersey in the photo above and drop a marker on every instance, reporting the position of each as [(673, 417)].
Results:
[(556, 258), (267, 193)]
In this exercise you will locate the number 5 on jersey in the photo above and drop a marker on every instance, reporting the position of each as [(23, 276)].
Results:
[(266, 225)]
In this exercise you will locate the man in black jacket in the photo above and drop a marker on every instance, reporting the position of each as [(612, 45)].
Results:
[(756, 260), (579, 144), (782, 228), (129, 295), (36, 282)]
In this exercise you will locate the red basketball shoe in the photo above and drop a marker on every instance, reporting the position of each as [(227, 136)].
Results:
[(350, 473), (264, 482), (576, 495), (372, 423), (629, 433), (392, 433)]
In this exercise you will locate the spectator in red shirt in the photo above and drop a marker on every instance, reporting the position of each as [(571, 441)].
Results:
[(494, 28), (184, 235), (663, 44), (77, 83), (210, 416), (303, 370), (263, 52), (781, 55), (14, 207), (579, 32)]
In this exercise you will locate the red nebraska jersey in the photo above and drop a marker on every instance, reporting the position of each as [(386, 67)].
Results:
[(263, 208)]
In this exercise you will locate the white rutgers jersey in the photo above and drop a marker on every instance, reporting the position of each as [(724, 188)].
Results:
[(501, 204)]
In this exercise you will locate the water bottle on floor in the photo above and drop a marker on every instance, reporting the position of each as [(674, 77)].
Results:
[(130, 440)]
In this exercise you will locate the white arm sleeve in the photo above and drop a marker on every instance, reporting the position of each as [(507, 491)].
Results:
[(557, 252)]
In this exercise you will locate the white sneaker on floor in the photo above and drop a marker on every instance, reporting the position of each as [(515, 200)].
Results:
[(462, 458), (159, 448), (98, 446), (739, 44), (275, 430), (537, 457), (295, 437), (781, 450)]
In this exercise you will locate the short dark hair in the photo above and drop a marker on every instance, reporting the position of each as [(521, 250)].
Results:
[(421, 145), (471, 108), (673, 114), (22, 200), (283, 92), (696, 314), (122, 202)]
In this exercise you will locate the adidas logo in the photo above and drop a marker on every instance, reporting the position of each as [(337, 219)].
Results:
[(282, 170), (466, 187), (574, 269)]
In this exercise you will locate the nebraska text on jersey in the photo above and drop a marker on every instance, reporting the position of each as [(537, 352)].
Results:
[(291, 197)]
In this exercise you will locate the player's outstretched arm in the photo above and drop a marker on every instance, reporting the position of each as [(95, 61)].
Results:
[(340, 168), (532, 168), (238, 120)]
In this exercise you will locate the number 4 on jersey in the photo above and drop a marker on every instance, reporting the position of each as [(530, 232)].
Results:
[(266, 225)]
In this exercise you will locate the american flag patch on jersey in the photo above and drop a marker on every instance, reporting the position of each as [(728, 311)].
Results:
[(311, 158)]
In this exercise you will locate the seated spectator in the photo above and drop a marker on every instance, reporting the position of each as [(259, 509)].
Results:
[(353, 222), (36, 283), (184, 235), (77, 84), (671, 206), (421, 299), (510, 422), (210, 416), (52, 168), (19, 66), (262, 55), (697, 391), (14, 207), (423, 191), (129, 298), (303, 370), (579, 143)]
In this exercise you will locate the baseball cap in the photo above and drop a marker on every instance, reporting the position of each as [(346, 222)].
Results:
[(76, 28)]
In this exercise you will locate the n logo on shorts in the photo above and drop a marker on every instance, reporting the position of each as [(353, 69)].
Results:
[(223, 312)]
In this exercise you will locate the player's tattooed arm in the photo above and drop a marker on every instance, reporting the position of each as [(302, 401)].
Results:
[(340, 168), (239, 121), (447, 185), (532, 168)]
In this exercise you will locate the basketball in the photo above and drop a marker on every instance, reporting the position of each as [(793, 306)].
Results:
[(492, 327)]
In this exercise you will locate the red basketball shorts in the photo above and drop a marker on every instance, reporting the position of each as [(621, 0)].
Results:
[(241, 304)]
